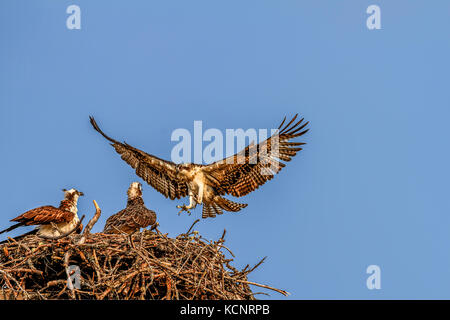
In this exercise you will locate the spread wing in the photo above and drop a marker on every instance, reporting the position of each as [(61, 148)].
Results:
[(158, 173), (44, 215), (250, 168)]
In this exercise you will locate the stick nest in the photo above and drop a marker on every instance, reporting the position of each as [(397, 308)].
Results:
[(147, 265)]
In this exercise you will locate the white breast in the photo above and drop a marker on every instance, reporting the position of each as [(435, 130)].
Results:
[(50, 231)]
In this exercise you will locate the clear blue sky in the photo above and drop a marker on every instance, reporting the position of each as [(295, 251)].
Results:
[(371, 186)]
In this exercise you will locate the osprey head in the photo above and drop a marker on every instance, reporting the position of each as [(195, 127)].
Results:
[(183, 166), (184, 169), (72, 194), (135, 190)]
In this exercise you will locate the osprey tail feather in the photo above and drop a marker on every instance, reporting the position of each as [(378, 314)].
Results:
[(21, 236), (218, 205), (13, 227), (229, 205)]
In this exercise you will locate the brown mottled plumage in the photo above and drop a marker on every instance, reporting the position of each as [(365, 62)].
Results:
[(134, 217), (47, 217), (237, 175)]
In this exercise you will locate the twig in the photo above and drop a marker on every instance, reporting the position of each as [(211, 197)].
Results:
[(189, 230), (69, 281), (257, 265), (94, 220), (285, 293), (91, 223)]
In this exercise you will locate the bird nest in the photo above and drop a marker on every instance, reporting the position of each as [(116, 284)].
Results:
[(147, 265)]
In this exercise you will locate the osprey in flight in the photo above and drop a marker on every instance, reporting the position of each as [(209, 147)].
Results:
[(52, 221), (237, 175), (134, 217)]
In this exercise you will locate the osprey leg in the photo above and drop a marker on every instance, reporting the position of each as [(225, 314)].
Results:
[(192, 205)]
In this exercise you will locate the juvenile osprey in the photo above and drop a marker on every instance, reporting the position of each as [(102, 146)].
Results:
[(134, 217), (51, 221), (237, 175)]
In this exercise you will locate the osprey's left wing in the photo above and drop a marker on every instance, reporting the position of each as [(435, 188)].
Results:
[(159, 173), (250, 168)]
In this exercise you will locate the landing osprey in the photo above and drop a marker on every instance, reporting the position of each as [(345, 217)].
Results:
[(134, 217), (51, 221), (237, 175)]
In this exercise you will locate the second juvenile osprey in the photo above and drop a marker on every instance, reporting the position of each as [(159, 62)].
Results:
[(134, 217), (237, 175), (52, 221)]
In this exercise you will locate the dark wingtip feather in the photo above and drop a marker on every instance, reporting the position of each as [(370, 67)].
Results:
[(282, 122), (290, 122), (97, 128), (294, 133)]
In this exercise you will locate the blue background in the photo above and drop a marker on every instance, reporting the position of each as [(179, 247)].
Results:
[(370, 187)]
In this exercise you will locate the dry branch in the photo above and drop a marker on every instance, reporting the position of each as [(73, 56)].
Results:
[(94, 219)]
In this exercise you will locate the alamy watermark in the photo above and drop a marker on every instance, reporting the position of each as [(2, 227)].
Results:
[(74, 277), (73, 21), (373, 22), (374, 280), (192, 147)]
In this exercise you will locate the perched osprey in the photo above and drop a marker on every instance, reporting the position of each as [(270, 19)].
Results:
[(237, 175), (134, 217), (51, 221)]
